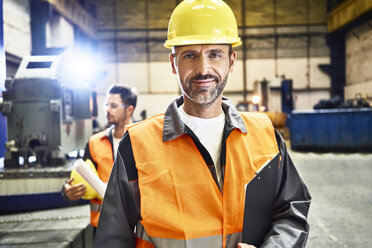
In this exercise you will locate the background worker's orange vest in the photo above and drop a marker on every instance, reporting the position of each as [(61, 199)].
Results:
[(179, 197), (101, 152)]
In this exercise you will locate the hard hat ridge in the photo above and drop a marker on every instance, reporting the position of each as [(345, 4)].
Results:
[(202, 22)]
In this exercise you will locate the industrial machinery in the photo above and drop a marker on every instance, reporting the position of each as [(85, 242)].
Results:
[(45, 114)]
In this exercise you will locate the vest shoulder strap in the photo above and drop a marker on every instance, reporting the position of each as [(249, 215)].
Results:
[(260, 126), (143, 125), (100, 146)]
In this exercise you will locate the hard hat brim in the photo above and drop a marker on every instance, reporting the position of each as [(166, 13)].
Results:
[(202, 40)]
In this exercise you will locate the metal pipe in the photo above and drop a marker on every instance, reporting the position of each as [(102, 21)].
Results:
[(244, 48), (116, 54)]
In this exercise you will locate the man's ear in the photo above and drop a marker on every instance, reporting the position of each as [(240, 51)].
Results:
[(130, 110), (172, 60), (232, 61)]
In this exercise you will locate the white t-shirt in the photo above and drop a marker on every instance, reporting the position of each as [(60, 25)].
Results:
[(115, 142), (210, 134)]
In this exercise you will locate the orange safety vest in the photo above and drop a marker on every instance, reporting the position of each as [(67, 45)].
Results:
[(179, 197), (101, 152)]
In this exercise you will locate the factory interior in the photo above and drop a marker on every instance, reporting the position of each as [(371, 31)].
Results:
[(306, 64)]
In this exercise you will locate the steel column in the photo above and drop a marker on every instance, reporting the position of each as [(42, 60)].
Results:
[(2, 81)]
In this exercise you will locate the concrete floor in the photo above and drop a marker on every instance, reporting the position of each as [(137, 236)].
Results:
[(341, 186), (53, 228)]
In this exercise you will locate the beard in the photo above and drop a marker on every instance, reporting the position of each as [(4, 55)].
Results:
[(115, 120), (204, 95), (110, 120)]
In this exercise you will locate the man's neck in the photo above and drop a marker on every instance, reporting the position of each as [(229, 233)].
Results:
[(203, 111), (119, 130)]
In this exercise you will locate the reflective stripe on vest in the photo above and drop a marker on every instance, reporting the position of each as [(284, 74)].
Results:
[(100, 149), (143, 240), (94, 207), (179, 197)]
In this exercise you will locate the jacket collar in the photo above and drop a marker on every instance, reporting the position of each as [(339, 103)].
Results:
[(108, 131), (174, 127)]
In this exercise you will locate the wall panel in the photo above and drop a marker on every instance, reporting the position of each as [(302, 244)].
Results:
[(153, 104), (159, 13), (17, 30), (317, 11), (236, 6), (292, 12), (2, 80), (235, 81), (318, 78), (162, 80), (295, 69), (259, 12), (259, 69), (134, 75), (359, 55), (306, 100), (130, 14)]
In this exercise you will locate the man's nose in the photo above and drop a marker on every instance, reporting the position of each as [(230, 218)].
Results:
[(203, 66), (108, 109)]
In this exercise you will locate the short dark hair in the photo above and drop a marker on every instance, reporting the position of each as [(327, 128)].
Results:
[(128, 95)]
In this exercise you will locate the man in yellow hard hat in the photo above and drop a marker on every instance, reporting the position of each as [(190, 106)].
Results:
[(179, 178), (102, 147)]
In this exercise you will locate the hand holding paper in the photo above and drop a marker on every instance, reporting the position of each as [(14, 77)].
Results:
[(83, 169)]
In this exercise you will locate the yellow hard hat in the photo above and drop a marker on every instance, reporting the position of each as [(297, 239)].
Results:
[(90, 193), (202, 22)]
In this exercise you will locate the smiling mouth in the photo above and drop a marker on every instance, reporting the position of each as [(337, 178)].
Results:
[(204, 79), (203, 82)]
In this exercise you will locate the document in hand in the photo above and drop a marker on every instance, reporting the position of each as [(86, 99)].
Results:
[(259, 201), (83, 169)]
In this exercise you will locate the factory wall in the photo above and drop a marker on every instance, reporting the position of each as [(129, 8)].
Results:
[(358, 60), (59, 32), (17, 30), (2, 80), (281, 38)]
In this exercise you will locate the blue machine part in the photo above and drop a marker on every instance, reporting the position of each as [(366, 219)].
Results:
[(2, 80), (2, 135), (287, 96), (16, 203), (332, 130)]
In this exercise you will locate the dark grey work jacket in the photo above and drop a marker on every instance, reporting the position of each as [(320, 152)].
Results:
[(119, 222)]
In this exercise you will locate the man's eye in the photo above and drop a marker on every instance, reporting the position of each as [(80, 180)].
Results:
[(215, 55), (189, 56)]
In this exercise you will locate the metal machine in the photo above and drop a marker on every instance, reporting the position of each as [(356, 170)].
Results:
[(45, 115)]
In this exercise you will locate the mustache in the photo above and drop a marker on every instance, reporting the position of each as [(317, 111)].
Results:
[(204, 77)]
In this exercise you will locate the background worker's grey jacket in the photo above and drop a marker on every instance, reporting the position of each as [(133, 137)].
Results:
[(119, 223)]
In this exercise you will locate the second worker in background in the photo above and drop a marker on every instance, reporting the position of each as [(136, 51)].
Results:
[(102, 147)]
